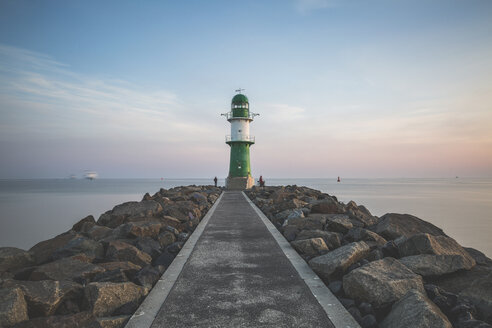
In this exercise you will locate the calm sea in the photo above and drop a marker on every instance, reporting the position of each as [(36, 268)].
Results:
[(35, 210)]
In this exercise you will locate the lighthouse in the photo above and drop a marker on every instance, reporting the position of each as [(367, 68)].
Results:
[(240, 141)]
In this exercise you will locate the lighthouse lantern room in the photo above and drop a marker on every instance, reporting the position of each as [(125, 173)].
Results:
[(240, 141)]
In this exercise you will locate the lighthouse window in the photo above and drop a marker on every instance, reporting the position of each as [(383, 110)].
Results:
[(239, 130)]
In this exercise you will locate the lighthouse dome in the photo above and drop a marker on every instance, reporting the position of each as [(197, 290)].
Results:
[(239, 99)]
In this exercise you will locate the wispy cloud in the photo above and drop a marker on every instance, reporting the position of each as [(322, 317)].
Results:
[(47, 94)]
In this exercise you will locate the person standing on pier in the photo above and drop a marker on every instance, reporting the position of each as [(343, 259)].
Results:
[(215, 181)]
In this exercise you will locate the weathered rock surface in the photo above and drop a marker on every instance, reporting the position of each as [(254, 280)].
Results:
[(66, 269), (142, 229), (338, 223), (332, 239), (44, 297), (424, 243), (120, 213), (120, 251), (360, 214), (84, 224), (310, 247), (337, 261), (149, 246), (79, 245), (475, 285), (98, 232), (358, 234), (77, 320), (312, 222), (415, 310), (392, 226), (12, 258), (104, 298), (128, 268), (13, 307), (327, 206), (147, 277), (435, 265), (381, 282), (42, 251), (166, 238), (478, 256)]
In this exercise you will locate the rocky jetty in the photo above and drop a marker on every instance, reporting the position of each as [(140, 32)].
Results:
[(391, 271), (97, 273)]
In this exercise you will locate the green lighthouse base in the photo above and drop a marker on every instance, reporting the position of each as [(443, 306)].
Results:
[(239, 183)]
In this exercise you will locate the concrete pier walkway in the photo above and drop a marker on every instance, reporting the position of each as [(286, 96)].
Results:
[(236, 273)]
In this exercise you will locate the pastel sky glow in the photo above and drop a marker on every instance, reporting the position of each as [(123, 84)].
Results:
[(386, 88)]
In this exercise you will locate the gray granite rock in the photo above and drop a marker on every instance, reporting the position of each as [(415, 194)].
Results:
[(103, 298), (310, 247), (13, 307), (435, 265), (424, 243), (337, 261), (391, 226), (332, 239), (415, 310), (381, 282), (44, 297), (12, 258)]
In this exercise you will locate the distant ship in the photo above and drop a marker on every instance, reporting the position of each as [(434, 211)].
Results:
[(91, 175)]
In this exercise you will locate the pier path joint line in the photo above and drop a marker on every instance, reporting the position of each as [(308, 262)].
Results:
[(235, 271)]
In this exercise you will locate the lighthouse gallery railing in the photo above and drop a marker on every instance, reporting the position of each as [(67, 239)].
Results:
[(240, 137)]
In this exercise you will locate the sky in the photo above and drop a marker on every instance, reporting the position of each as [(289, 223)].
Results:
[(135, 89)]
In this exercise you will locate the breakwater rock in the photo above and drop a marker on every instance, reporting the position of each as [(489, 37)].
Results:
[(391, 271), (97, 273)]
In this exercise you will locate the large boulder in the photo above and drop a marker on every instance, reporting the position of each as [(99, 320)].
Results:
[(381, 282), (66, 269), (424, 243), (13, 307), (77, 320), (104, 298), (393, 225), (148, 276), (478, 256), (182, 210), (97, 232), (42, 251), (79, 245), (358, 234), (84, 224), (166, 238), (121, 251), (327, 206), (128, 268), (334, 263), (360, 214), (415, 310), (435, 265), (338, 223), (12, 258), (332, 239), (149, 246), (475, 285), (312, 222), (310, 247), (142, 229), (44, 297), (120, 213)]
